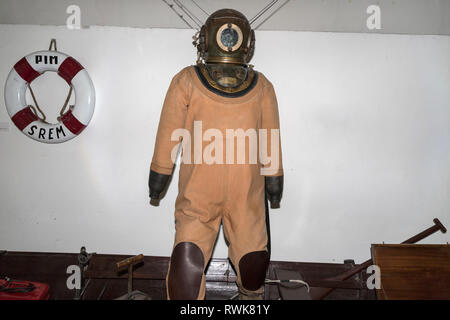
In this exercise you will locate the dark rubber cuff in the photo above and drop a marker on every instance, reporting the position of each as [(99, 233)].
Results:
[(274, 203), (274, 189), (154, 195), (157, 183)]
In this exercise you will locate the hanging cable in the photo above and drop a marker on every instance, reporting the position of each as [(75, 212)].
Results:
[(201, 8), (278, 9), (263, 10), (188, 13), (283, 283), (178, 14)]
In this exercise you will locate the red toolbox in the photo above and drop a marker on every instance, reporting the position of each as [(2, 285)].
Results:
[(23, 290)]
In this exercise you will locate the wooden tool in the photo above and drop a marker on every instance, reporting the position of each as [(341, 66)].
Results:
[(129, 263)]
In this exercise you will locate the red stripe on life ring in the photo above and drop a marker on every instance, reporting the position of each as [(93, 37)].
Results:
[(23, 118), (72, 123), (69, 69), (25, 70)]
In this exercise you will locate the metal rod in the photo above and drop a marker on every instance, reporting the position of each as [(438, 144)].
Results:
[(84, 289), (100, 296), (130, 280)]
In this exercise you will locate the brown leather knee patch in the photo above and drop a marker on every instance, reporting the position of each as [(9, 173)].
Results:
[(252, 268), (186, 269)]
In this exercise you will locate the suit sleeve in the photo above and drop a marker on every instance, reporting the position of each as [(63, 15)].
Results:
[(270, 155), (173, 117)]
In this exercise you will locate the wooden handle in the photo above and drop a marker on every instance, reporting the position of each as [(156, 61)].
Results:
[(440, 225), (129, 261)]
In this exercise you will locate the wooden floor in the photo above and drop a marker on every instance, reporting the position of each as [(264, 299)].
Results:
[(149, 277)]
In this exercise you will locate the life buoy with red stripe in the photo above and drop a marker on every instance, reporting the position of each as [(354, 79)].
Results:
[(73, 122)]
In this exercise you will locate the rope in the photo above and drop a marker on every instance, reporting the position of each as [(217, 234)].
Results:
[(37, 106), (63, 109), (52, 43)]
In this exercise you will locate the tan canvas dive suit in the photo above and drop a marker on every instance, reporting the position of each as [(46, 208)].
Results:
[(214, 189)]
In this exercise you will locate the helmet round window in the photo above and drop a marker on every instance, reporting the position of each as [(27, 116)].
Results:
[(229, 37)]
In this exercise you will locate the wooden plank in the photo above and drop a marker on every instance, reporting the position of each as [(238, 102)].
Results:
[(413, 271)]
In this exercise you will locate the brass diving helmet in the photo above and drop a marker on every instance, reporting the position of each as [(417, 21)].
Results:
[(225, 46)]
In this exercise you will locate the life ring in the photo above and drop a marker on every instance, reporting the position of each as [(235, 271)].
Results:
[(74, 120)]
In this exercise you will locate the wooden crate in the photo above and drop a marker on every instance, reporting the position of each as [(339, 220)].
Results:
[(413, 271)]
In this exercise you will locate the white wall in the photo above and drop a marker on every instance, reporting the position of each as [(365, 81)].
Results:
[(365, 134)]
